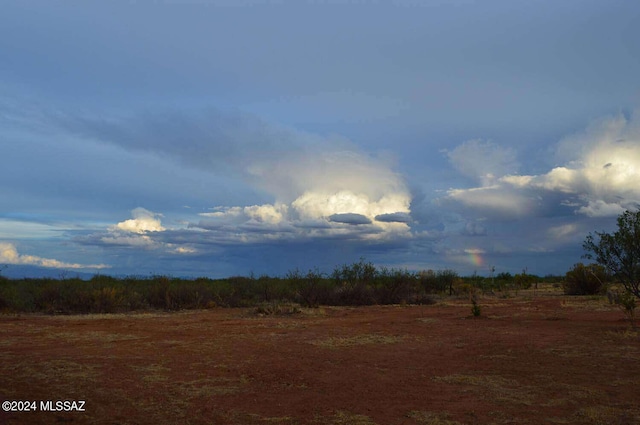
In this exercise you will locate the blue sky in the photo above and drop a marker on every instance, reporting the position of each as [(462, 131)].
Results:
[(229, 137)]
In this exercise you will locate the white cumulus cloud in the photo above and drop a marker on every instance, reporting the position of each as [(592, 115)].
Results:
[(309, 177), (599, 176), (10, 255), (143, 221), (143, 231)]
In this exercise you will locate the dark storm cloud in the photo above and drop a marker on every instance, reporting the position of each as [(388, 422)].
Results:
[(399, 217), (350, 218)]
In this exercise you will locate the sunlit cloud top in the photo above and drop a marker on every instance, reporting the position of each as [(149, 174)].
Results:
[(10, 255), (599, 178)]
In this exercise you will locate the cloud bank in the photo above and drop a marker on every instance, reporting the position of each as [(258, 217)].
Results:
[(9, 255), (317, 184), (322, 189), (598, 177)]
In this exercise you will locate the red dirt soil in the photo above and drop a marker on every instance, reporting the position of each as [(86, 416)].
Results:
[(526, 360)]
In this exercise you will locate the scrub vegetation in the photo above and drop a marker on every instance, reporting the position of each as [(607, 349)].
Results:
[(357, 284), (616, 273)]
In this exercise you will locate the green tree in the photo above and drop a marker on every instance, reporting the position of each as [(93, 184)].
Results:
[(619, 252)]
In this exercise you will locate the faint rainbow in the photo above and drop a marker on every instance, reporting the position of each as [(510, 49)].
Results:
[(475, 256)]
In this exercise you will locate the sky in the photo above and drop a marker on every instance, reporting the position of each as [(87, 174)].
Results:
[(219, 137)]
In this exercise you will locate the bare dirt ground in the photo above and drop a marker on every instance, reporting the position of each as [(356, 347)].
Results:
[(543, 359)]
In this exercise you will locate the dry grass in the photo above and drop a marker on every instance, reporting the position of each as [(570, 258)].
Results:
[(609, 415), (427, 320), (153, 372), (61, 370), (629, 333), (59, 375), (282, 324), (209, 387), (591, 303), (345, 418), (92, 336), (568, 351), (113, 316), (431, 418), (240, 418), (569, 394), (494, 387), (363, 339), (504, 357)]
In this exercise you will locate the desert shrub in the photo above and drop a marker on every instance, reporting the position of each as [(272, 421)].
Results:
[(360, 272), (475, 308), (585, 280), (353, 294), (68, 296), (4, 296), (266, 287), (272, 288), (46, 295), (221, 293), (626, 301), (311, 289), (524, 280), (446, 280), (353, 284), (428, 281), (186, 295), (499, 282), (5, 292), (107, 300), (134, 301), (17, 296), (360, 283), (165, 293), (395, 286), (242, 292), (157, 293), (462, 288), (437, 281)]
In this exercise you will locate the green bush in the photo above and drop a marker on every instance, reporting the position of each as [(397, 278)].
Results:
[(475, 308), (311, 290), (395, 286), (585, 280), (433, 282), (524, 280), (356, 284)]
